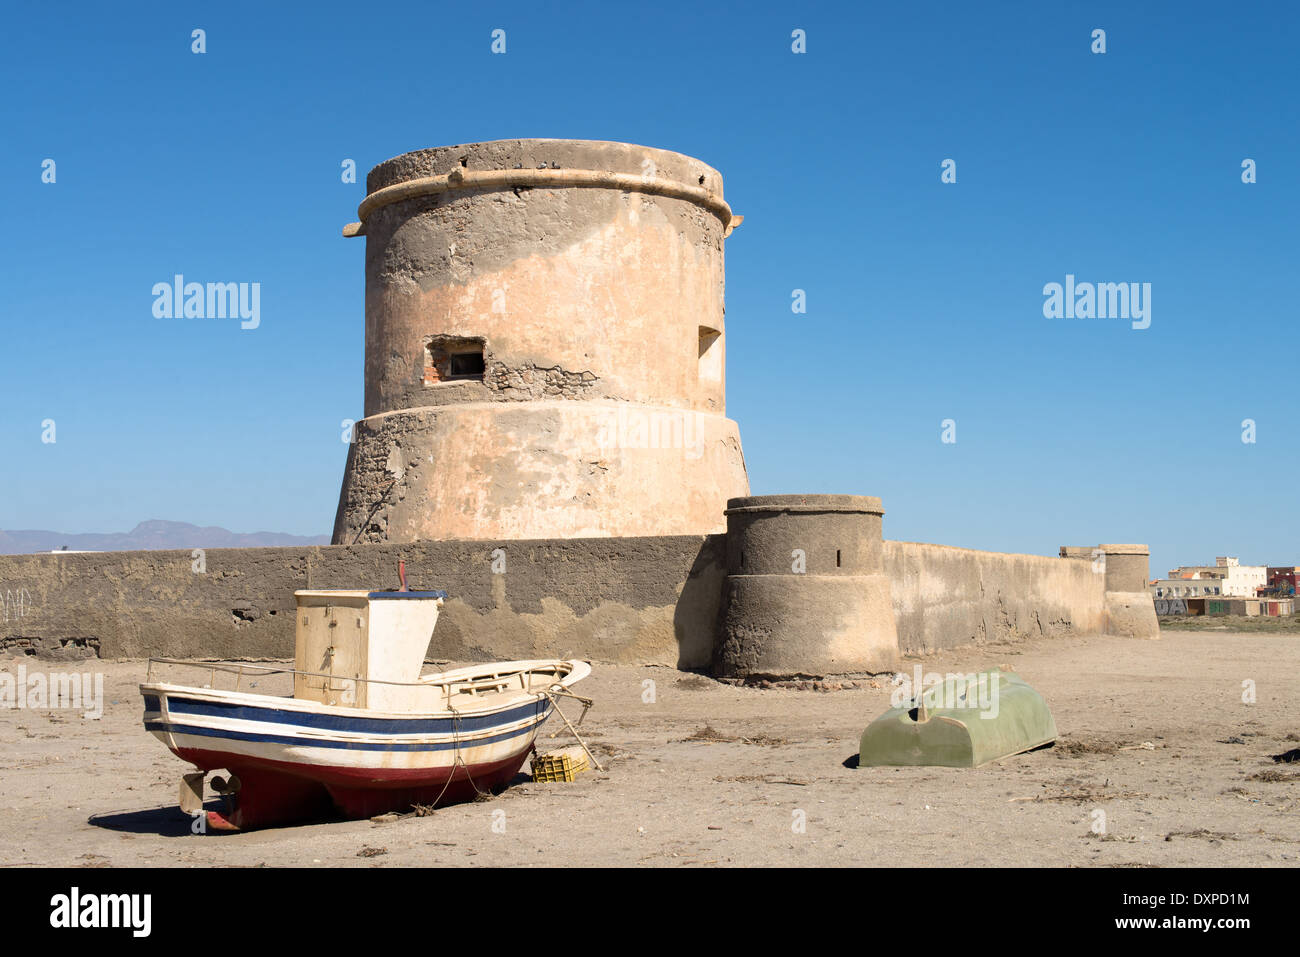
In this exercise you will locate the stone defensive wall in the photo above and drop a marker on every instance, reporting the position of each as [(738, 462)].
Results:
[(651, 600), (945, 596)]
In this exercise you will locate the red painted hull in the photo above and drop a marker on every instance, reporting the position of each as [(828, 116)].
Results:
[(279, 792)]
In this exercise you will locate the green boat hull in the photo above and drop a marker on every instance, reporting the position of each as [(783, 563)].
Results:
[(960, 725)]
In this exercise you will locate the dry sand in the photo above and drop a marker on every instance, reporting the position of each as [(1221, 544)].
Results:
[(711, 774)]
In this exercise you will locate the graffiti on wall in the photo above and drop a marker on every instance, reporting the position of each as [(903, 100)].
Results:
[(15, 603)]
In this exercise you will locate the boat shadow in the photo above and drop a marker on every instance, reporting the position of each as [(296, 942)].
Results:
[(165, 821), (170, 821)]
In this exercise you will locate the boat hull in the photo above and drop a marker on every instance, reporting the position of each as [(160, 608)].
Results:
[(297, 760), (274, 793)]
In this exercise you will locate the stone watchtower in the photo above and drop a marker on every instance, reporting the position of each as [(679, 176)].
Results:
[(544, 346)]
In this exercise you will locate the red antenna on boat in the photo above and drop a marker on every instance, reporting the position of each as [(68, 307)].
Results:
[(401, 573)]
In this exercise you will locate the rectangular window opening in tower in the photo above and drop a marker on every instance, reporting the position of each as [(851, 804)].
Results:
[(710, 355), (454, 358), (466, 365)]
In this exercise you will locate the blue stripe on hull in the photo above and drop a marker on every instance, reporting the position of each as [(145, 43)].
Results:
[(177, 705), (176, 728)]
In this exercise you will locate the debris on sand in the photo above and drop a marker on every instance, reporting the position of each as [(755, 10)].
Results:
[(709, 733), (760, 778), (1203, 834), (695, 683), (1287, 757), (417, 810), (1082, 796), (801, 684), (1074, 747), (1275, 777)]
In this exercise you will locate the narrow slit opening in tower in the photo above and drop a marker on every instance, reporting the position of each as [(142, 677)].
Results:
[(710, 355)]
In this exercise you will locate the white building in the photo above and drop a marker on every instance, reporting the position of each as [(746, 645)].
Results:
[(1227, 576), (1166, 588)]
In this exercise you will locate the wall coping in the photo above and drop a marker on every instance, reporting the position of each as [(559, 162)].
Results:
[(860, 504)]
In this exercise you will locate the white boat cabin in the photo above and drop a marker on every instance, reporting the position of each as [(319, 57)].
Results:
[(352, 642)]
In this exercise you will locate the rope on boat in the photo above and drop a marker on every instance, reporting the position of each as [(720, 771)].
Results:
[(478, 791), (457, 761)]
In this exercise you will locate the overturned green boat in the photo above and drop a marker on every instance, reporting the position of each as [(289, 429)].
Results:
[(963, 721)]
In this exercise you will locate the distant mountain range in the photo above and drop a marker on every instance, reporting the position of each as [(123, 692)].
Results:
[(154, 534)]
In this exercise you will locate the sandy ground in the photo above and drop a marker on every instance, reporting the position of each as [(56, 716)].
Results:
[(101, 792)]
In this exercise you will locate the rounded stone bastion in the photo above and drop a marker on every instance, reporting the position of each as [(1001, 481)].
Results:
[(1130, 610), (544, 346), (806, 589)]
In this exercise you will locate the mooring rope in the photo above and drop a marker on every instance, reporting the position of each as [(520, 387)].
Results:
[(457, 760)]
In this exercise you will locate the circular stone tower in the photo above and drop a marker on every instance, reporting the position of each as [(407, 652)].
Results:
[(806, 590), (544, 346)]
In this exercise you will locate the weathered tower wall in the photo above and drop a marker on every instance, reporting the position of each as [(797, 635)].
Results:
[(544, 346)]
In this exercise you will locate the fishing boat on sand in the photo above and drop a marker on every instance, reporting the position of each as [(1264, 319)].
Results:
[(363, 732)]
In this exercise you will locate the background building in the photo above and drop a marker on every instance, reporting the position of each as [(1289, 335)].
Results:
[(1227, 576), (1282, 579)]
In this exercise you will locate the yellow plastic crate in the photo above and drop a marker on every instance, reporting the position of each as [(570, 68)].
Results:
[(563, 765)]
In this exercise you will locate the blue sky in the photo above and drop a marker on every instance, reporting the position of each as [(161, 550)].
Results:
[(924, 298)]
